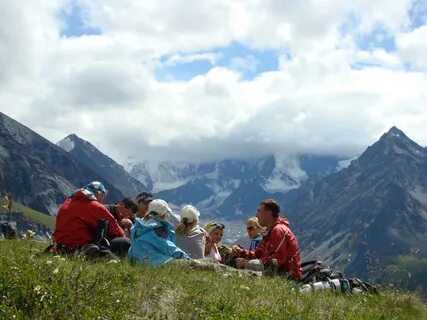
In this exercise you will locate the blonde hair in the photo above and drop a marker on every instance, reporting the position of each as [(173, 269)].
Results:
[(253, 222), (212, 226), (185, 226)]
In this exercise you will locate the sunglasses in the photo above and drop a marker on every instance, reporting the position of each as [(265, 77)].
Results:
[(250, 228), (219, 226)]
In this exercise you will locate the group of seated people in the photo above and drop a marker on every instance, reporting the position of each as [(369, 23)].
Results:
[(146, 230)]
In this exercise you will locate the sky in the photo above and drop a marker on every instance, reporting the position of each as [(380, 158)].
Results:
[(205, 80)]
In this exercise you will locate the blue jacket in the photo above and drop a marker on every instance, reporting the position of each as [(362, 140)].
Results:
[(153, 242), (255, 242)]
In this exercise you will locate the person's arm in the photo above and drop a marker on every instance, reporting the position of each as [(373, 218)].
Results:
[(277, 241), (200, 245), (114, 230)]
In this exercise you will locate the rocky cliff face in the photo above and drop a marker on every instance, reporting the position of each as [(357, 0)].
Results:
[(38, 173), (371, 211), (87, 154), (232, 188)]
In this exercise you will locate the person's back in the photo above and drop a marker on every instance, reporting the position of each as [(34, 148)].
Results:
[(78, 219), (193, 242), (153, 239)]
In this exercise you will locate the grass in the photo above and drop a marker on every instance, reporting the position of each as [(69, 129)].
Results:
[(34, 286), (33, 215)]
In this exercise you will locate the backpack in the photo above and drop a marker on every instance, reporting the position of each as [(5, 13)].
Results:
[(318, 276), (316, 270)]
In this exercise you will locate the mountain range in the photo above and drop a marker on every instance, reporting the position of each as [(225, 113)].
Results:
[(231, 188), (40, 174), (365, 215), (88, 155), (357, 215)]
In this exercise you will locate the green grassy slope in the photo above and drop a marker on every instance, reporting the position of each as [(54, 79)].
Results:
[(52, 287), (32, 215)]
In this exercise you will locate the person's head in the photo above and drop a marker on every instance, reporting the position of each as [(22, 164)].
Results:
[(127, 208), (267, 213), (159, 209), (143, 200), (253, 227), (126, 224), (189, 219), (96, 189), (215, 231)]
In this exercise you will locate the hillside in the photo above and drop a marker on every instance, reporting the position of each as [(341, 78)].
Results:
[(87, 154), (37, 172), (366, 215), (33, 215), (52, 287)]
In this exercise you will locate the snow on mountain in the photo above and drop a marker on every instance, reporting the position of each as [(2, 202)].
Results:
[(67, 144), (222, 185), (287, 175)]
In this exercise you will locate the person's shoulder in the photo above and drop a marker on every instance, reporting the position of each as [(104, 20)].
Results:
[(280, 229), (96, 205)]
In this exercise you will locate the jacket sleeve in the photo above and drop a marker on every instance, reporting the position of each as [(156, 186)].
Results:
[(114, 230), (266, 251)]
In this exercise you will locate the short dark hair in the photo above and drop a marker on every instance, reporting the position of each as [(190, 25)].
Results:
[(271, 205), (146, 197), (130, 204)]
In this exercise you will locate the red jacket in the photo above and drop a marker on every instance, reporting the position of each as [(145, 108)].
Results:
[(77, 220), (280, 243)]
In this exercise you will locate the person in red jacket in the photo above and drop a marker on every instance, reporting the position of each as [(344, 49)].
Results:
[(80, 216), (278, 246)]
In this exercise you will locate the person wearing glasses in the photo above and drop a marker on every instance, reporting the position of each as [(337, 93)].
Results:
[(278, 251), (215, 233), (255, 231)]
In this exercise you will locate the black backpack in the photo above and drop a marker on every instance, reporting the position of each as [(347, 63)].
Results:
[(315, 271)]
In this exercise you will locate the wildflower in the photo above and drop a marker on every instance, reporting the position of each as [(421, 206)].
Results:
[(113, 261), (49, 262), (56, 271)]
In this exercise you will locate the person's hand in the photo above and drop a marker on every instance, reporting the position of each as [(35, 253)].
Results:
[(241, 263), (126, 224), (236, 250)]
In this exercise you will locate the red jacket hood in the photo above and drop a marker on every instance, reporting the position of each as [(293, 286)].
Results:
[(81, 195), (281, 220)]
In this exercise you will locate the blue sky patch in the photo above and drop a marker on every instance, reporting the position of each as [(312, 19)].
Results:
[(418, 13), (243, 59), (377, 38), (74, 20)]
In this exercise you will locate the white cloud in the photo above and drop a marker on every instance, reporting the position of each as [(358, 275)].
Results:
[(412, 47), (103, 87), (175, 59)]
